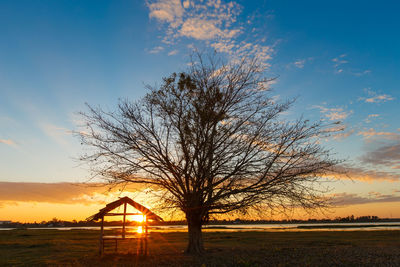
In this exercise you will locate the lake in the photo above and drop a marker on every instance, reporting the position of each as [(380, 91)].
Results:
[(367, 226)]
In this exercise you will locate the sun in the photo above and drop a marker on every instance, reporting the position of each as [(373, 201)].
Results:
[(138, 218)]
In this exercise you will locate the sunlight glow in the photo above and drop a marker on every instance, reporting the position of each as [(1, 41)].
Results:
[(137, 218), (140, 229)]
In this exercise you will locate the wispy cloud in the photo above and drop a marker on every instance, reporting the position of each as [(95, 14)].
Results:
[(343, 135), (370, 117), (371, 133), (379, 98), (345, 199), (373, 115), (339, 62), (361, 73), (173, 52), (333, 114), (346, 172), (7, 142), (213, 22), (340, 65), (374, 97), (385, 155), (156, 50), (339, 131), (383, 149), (300, 63), (68, 193), (56, 133)]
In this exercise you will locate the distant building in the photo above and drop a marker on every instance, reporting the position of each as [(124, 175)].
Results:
[(5, 222)]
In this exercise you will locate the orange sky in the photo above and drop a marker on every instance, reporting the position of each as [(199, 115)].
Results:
[(45, 211), (29, 202)]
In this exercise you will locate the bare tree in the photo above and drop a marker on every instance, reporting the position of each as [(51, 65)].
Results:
[(213, 139)]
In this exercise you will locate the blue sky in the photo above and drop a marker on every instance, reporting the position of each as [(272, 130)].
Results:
[(340, 58)]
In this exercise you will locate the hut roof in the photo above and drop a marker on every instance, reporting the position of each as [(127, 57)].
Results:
[(110, 206)]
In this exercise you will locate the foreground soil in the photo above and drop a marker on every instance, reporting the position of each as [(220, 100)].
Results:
[(315, 248)]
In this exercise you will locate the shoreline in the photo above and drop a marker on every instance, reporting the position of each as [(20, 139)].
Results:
[(239, 227)]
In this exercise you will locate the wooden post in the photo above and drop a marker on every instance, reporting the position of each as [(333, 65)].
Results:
[(145, 236), (147, 222), (141, 245), (101, 245), (123, 223)]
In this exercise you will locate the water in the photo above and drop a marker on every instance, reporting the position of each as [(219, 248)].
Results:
[(368, 226)]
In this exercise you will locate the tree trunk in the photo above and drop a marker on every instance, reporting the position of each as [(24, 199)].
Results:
[(195, 245)]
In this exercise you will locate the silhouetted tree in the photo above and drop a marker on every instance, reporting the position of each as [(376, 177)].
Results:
[(213, 139)]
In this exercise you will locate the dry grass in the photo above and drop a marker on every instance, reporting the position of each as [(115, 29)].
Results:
[(316, 248)]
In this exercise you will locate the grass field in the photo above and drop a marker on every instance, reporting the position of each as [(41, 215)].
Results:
[(316, 248)]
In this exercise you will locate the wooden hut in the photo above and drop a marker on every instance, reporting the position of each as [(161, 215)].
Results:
[(142, 211)]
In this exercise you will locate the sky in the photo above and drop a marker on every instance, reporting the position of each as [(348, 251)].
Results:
[(340, 59)]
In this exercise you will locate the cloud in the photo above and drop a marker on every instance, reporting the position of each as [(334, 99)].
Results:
[(156, 50), (338, 62), (371, 116), (212, 22), (379, 98), (361, 73), (66, 193), (7, 142), (372, 134), (199, 20), (334, 114), (339, 131), (300, 63), (167, 10), (374, 97), (386, 155), (337, 115), (173, 52), (345, 172), (57, 134), (336, 128), (343, 135), (242, 49), (203, 29), (345, 199), (383, 149)]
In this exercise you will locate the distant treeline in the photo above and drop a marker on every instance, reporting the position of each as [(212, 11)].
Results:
[(60, 223)]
